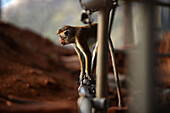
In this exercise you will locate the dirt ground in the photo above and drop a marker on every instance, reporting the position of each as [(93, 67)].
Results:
[(39, 76), (32, 70)]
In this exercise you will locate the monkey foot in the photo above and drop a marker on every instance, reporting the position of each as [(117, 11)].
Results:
[(86, 80), (92, 81)]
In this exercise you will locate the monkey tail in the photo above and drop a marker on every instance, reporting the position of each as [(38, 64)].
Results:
[(112, 52)]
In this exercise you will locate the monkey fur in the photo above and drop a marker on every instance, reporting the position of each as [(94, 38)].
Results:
[(84, 41), (82, 38)]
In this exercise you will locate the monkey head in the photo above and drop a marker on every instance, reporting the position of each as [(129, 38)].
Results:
[(66, 34)]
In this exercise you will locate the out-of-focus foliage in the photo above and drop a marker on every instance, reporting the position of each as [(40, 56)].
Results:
[(43, 16), (46, 16)]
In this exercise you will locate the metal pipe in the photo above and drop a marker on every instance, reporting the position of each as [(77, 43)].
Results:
[(112, 52), (142, 61), (102, 57), (158, 3), (163, 54), (112, 16), (128, 34), (162, 4), (93, 4), (0, 9)]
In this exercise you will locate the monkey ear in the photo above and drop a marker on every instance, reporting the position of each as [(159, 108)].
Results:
[(66, 26), (72, 33)]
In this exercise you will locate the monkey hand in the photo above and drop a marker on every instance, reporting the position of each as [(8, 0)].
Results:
[(89, 78), (80, 78)]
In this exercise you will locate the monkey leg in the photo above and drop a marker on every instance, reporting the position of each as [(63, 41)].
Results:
[(115, 71), (82, 62), (88, 66), (94, 56), (87, 55)]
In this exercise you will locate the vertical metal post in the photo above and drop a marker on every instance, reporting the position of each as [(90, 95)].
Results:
[(102, 57), (141, 61), (0, 9), (128, 35)]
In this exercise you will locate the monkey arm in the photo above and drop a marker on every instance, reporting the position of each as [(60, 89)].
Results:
[(84, 48), (94, 56), (81, 60), (88, 56)]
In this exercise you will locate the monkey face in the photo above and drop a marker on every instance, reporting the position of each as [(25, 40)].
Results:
[(67, 35)]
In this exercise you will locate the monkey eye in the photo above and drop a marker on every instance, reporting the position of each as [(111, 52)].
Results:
[(66, 33)]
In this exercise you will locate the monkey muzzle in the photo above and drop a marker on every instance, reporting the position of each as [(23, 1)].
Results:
[(61, 40)]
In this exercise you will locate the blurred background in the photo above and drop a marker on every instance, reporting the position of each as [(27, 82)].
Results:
[(42, 16), (45, 17), (34, 68)]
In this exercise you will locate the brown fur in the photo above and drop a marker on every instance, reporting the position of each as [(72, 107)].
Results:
[(79, 37)]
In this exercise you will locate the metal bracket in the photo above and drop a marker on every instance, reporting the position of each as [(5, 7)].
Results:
[(100, 103), (86, 17)]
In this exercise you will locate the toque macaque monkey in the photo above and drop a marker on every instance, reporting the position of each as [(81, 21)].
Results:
[(84, 41)]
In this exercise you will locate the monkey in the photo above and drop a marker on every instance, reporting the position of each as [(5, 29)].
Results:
[(84, 41)]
